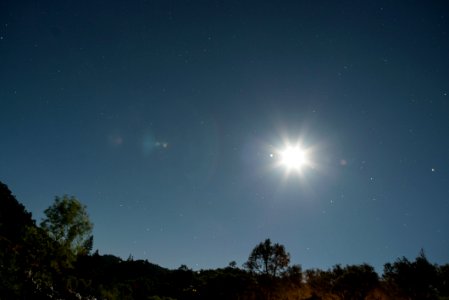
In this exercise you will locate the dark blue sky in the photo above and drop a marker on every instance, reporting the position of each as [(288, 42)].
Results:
[(161, 116)]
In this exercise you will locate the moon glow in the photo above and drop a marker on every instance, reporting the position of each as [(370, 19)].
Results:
[(293, 158)]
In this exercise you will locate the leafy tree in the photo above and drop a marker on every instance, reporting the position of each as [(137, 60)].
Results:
[(222, 284), (320, 282), (417, 280), (29, 264), (232, 264), (67, 222), (268, 259), (354, 281), (293, 275), (14, 219), (349, 282), (14, 224), (443, 280)]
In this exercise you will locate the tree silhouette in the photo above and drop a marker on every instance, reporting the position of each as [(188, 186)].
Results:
[(14, 224), (268, 259), (45, 263), (443, 280), (417, 280), (13, 216), (28, 263), (67, 222), (354, 281)]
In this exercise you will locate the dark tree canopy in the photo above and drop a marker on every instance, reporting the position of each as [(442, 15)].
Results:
[(53, 262), (27, 260), (416, 279), (349, 282), (268, 259), (67, 222), (13, 216)]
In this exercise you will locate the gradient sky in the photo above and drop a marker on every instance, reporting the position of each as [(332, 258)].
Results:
[(162, 117)]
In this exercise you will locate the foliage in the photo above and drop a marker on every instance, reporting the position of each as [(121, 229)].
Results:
[(15, 223), (268, 259), (417, 280), (443, 280), (67, 222), (14, 219), (349, 282), (227, 283), (32, 264), (52, 262)]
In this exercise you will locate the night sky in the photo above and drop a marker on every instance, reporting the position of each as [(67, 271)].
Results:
[(168, 119)]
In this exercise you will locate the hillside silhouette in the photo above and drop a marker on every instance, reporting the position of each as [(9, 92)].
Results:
[(54, 260)]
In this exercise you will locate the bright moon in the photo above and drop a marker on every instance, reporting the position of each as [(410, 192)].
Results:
[(293, 158)]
